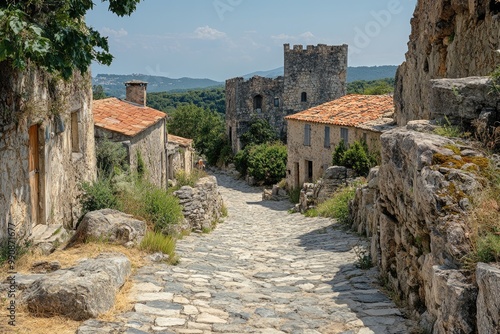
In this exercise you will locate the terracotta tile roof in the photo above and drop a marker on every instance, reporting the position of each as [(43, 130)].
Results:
[(124, 117), (180, 140), (349, 110)]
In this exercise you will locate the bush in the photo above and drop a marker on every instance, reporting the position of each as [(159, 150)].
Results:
[(267, 163), (188, 179), (356, 157), (154, 242), (259, 132), (98, 195), (241, 161), (111, 157), (161, 208), (338, 206), (295, 195)]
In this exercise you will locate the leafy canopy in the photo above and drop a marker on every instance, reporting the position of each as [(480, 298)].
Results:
[(53, 35)]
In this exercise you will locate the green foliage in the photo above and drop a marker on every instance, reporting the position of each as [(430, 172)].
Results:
[(208, 98), (357, 157), (161, 208), (154, 242), (188, 179), (111, 157), (241, 161), (488, 248), (338, 153), (141, 165), (372, 87), (267, 162), (295, 195), (495, 80), (446, 129), (311, 213), (98, 92), (14, 250), (338, 206), (53, 34), (207, 129), (259, 132), (98, 195)]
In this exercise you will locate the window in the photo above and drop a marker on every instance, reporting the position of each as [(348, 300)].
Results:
[(307, 135), (344, 135), (303, 97), (257, 103), (276, 101), (327, 137), (75, 137)]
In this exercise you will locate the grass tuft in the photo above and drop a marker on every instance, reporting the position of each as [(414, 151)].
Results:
[(338, 206), (154, 242)]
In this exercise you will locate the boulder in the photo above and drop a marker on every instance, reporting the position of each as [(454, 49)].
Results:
[(82, 292), (110, 226), (488, 299)]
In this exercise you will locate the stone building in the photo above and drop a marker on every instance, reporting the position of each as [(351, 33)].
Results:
[(142, 130), (180, 155), (314, 133), (46, 148), (312, 76)]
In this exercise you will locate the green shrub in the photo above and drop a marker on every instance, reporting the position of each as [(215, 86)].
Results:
[(98, 195), (241, 161), (338, 206), (295, 195), (259, 132), (154, 242), (267, 163), (446, 129), (356, 157), (188, 179), (488, 248), (161, 208), (110, 157)]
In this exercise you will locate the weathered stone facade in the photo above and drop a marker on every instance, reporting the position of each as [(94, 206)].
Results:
[(46, 148), (449, 39), (312, 76), (150, 144), (180, 155), (415, 213)]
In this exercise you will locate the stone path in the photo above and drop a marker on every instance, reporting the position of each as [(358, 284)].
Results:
[(261, 271)]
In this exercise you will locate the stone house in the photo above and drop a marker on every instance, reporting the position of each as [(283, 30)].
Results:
[(46, 149), (180, 155), (312, 76), (314, 133), (141, 129)]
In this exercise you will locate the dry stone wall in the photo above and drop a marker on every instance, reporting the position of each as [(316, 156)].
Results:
[(414, 209), (202, 204), (449, 39)]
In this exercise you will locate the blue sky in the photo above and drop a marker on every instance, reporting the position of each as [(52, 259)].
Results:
[(221, 39)]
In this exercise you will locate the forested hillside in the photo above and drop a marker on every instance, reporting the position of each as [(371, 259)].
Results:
[(209, 98)]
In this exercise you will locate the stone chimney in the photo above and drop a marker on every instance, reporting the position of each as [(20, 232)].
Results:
[(136, 92)]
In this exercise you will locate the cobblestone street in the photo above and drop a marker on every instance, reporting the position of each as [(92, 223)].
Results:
[(263, 270)]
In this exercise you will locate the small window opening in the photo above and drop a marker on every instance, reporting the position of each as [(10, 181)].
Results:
[(257, 102), (303, 97)]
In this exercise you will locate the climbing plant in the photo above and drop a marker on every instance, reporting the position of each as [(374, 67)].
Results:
[(53, 35)]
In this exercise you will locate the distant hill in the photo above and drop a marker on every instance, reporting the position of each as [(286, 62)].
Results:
[(113, 84), (366, 73)]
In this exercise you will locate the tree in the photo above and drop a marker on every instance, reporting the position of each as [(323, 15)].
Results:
[(259, 132), (205, 127), (53, 35), (98, 92)]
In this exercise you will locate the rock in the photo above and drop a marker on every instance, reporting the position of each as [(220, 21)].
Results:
[(488, 299), (82, 292), (335, 172), (158, 257), (448, 40), (43, 267), (111, 226)]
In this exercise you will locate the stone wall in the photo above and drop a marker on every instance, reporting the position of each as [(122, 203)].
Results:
[(414, 209), (151, 143), (319, 71), (449, 39), (62, 113), (241, 109), (202, 205)]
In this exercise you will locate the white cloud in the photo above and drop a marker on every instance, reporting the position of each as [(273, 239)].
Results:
[(209, 33), (306, 37), (307, 34), (114, 33)]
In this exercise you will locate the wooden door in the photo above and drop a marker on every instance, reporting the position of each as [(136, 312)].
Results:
[(34, 175)]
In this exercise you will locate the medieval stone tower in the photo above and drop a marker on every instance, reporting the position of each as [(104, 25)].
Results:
[(313, 76)]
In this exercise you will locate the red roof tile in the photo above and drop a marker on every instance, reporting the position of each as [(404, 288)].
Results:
[(350, 110), (124, 117), (180, 140)]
